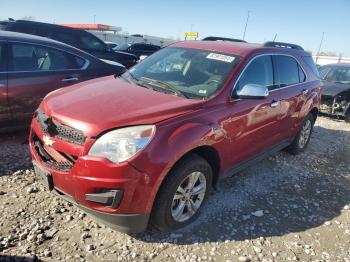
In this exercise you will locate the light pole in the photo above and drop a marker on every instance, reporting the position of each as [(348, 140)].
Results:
[(94, 19), (246, 24), (319, 48)]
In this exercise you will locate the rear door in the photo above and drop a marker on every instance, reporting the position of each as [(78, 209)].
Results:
[(4, 109), (290, 92), (34, 71)]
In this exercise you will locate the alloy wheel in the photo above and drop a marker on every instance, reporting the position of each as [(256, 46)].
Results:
[(189, 196), (305, 133)]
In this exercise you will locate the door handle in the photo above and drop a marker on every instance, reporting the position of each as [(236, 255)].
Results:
[(304, 92), (275, 104), (70, 79)]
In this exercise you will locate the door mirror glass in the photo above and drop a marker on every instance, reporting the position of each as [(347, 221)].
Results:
[(253, 91)]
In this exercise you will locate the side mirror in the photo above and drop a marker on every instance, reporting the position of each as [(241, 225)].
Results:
[(252, 91)]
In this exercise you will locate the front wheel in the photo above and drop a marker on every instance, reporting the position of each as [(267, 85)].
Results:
[(182, 194), (303, 137)]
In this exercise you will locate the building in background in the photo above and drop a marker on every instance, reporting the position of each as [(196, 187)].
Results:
[(114, 34)]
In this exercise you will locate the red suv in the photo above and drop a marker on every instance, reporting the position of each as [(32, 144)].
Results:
[(149, 145)]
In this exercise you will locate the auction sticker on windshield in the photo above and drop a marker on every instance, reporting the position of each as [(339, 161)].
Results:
[(220, 57)]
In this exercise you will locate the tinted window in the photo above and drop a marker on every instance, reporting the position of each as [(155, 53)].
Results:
[(259, 72), (288, 70), (88, 41), (67, 38), (26, 57), (310, 62)]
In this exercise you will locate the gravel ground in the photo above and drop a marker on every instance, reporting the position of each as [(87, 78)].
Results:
[(283, 209)]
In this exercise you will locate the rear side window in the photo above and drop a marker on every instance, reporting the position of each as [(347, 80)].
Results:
[(27, 57), (90, 42), (259, 72), (288, 70), (310, 62)]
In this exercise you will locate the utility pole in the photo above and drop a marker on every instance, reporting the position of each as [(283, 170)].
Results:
[(274, 39), (319, 48), (246, 24)]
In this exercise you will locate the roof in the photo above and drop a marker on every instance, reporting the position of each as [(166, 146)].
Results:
[(9, 35), (232, 48)]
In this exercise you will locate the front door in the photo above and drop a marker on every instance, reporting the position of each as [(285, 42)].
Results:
[(252, 125), (34, 71)]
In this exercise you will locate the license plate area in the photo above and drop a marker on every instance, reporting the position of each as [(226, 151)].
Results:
[(44, 176)]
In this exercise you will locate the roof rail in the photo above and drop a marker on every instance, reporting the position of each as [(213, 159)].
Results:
[(215, 38), (282, 45)]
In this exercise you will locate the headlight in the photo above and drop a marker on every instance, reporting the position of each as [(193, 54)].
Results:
[(121, 144)]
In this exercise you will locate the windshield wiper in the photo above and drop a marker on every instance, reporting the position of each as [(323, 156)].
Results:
[(132, 79), (163, 85)]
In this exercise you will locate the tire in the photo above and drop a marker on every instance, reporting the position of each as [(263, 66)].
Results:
[(302, 139), (347, 116), (164, 216)]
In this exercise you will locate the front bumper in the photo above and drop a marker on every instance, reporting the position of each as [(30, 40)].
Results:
[(127, 223), (92, 176)]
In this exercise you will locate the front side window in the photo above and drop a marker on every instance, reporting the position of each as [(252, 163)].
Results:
[(193, 73), (258, 72), (288, 70), (27, 57)]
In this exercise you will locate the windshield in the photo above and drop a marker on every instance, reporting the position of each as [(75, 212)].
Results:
[(191, 72), (339, 74), (122, 47)]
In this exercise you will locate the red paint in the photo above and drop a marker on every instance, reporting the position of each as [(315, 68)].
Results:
[(237, 130)]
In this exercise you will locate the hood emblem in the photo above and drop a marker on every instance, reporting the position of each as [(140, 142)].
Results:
[(48, 141)]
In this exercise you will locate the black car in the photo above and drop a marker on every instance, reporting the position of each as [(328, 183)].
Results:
[(336, 91), (75, 37), (138, 49), (32, 66)]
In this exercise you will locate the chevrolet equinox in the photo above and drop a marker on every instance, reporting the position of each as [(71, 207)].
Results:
[(146, 147)]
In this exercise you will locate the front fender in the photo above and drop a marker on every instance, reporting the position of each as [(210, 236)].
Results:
[(170, 144)]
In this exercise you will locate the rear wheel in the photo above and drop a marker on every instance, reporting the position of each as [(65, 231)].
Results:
[(302, 139), (182, 194), (347, 115)]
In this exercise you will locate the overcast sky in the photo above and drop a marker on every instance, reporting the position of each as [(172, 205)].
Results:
[(297, 21)]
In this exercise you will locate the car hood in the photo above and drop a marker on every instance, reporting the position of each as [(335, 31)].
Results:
[(333, 89), (107, 103)]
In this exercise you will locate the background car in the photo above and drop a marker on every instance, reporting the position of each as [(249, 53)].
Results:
[(138, 49), (75, 37), (336, 90), (32, 66)]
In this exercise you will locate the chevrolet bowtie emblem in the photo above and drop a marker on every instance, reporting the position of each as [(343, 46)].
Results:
[(48, 141)]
